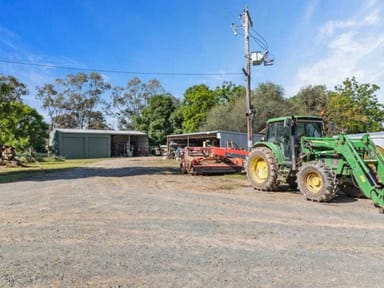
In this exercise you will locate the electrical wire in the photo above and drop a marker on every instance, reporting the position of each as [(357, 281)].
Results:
[(261, 44), (116, 71), (262, 39)]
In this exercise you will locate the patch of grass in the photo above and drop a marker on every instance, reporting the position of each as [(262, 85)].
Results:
[(46, 165), (241, 176), (228, 187)]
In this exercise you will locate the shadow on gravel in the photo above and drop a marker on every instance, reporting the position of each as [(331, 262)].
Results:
[(339, 199), (343, 199), (85, 172)]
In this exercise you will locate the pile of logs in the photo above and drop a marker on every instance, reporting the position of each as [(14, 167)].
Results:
[(8, 156)]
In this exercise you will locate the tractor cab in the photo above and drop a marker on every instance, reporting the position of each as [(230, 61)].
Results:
[(285, 132)]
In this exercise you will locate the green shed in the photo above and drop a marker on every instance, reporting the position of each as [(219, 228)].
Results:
[(78, 143)]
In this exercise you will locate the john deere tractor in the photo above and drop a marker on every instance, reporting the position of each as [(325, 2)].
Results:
[(296, 152)]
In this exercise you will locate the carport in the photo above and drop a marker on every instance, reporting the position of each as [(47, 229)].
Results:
[(77, 143)]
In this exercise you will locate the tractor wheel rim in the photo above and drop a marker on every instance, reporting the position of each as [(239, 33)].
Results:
[(313, 182), (260, 170)]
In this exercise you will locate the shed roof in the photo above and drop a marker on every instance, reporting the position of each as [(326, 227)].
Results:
[(196, 135), (207, 134), (102, 132)]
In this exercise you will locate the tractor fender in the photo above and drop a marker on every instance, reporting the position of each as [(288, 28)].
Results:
[(273, 147)]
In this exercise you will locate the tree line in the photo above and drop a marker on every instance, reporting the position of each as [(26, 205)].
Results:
[(88, 101)]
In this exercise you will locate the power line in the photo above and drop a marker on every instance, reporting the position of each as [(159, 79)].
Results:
[(259, 42), (115, 71), (262, 38)]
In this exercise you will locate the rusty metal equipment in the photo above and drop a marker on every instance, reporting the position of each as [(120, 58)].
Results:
[(212, 160)]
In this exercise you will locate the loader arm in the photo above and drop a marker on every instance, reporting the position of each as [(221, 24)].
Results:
[(355, 158)]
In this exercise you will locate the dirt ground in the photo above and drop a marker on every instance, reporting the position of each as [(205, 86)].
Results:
[(137, 222)]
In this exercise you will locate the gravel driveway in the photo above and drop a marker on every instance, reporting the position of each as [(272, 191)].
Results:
[(136, 222)]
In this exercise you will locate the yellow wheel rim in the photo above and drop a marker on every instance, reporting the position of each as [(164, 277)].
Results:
[(259, 168), (313, 182)]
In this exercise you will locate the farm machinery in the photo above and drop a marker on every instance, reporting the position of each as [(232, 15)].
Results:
[(212, 160), (295, 152)]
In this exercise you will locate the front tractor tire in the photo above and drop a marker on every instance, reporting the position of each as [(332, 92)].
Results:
[(262, 169), (316, 181)]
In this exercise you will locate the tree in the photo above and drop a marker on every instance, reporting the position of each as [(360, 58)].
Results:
[(73, 101), (229, 116), (54, 103), (96, 120), (311, 100), (269, 102), (22, 126), (128, 102), (228, 92), (11, 89), (176, 120), (354, 108), (198, 100), (155, 118), (66, 120), (231, 105)]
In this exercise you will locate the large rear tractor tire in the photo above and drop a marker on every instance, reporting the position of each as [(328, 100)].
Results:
[(316, 181), (262, 169)]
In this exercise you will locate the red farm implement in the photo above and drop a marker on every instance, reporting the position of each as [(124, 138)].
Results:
[(212, 160)]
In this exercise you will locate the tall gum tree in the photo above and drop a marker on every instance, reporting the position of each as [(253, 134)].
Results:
[(73, 102)]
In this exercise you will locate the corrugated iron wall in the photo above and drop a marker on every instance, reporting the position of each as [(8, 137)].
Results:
[(238, 140)]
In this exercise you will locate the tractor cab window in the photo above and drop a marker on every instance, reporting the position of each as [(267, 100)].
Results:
[(277, 133), (308, 129)]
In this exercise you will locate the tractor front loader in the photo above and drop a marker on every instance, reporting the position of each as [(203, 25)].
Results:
[(295, 152)]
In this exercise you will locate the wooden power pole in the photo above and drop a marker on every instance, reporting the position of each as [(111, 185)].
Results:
[(247, 21)]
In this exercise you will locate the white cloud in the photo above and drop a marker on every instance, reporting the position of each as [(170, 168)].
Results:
[(348, 56), (310, 10), (345, 43), (368, 16), (329, 27), (372, 18), (369, 4), (348, 47)]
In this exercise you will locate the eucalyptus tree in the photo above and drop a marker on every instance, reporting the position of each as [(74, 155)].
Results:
[(11, 89), (72, 101), (127, 102)]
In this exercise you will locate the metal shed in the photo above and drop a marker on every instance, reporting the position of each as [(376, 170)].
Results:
[(219, 138), (77, 143), (377, 137)]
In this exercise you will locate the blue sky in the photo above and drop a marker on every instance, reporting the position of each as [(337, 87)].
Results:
[(312, 41)]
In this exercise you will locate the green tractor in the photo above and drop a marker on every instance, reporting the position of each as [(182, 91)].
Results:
[(296, 152)]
